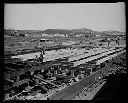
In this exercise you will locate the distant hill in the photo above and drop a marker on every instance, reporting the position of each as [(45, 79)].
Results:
[(8, 31), (84, 31), (114, 33), (12, 31), (70, 32), (54, 31)]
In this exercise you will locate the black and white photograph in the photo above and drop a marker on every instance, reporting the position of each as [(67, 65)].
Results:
[(64, 51)]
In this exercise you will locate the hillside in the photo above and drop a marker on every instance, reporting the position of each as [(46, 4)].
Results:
[(70, 32), (12, 31)]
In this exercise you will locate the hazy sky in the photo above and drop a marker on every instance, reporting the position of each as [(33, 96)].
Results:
[(97, 16)]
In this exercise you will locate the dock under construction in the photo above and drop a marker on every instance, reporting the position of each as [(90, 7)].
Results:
[(62, 74)]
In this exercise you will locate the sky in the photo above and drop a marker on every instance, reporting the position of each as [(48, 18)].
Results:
[(95, 16)]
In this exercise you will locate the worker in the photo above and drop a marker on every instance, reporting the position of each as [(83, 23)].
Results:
[(108, 39), (36, 56), (42, 54), (43, 50), (81, 41), (117, 40), (41, 58)]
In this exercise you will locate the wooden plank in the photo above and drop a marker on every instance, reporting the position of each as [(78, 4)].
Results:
[(68, 92), (21, 82), (47, 81), (93, 57), (90, 95), (88, 54)]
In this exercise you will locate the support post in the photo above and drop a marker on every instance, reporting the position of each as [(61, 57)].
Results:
[(32, 72), (55, 71), (18, 78), (37, 81), (72, 73), (6, 96)]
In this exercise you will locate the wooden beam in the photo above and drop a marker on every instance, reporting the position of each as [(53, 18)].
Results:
[(47, 81)]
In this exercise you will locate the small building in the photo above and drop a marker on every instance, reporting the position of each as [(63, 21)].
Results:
[(79, 35), (22, 35), (44, 40), (96, 34), (44, 35)]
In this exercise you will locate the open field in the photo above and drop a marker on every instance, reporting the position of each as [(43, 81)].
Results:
[(20, 43)]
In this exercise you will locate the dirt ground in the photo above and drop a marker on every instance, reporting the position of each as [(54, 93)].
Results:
[(19, 43)]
